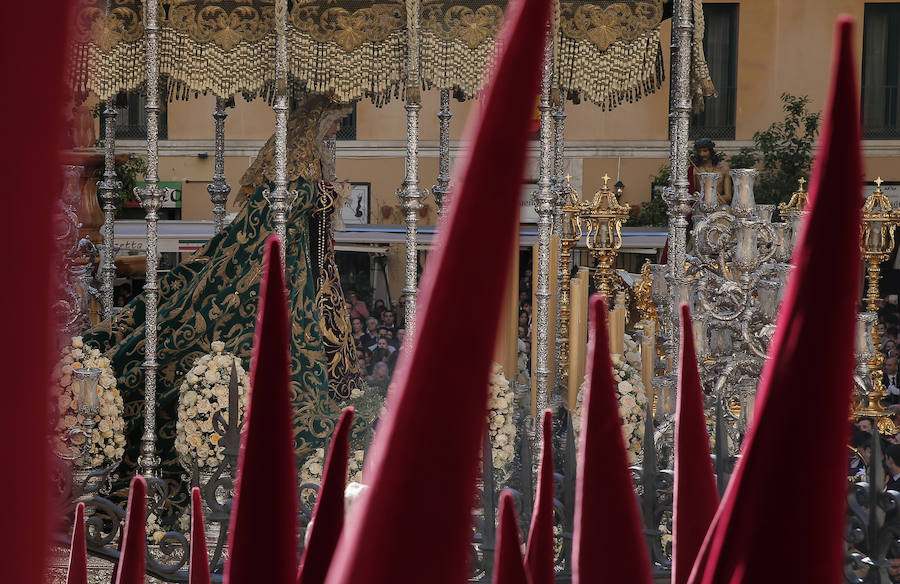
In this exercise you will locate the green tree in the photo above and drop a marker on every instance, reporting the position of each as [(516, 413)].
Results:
[(654, 212), (786, 150)]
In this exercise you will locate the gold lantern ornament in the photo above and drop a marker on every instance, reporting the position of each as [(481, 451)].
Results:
[(602, 219)]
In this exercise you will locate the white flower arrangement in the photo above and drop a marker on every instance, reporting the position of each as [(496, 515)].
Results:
[(632, 398), (523, 377), (108, 441), (155, 531), (314, 466), (501, 422), (204, 392)]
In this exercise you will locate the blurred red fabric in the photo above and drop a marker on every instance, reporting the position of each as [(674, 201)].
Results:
[(32, 101)]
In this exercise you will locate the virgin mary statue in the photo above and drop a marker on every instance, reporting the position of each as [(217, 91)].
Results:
[(213, 295)]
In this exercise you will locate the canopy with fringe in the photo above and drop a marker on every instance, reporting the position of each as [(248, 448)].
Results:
[(607, 52)]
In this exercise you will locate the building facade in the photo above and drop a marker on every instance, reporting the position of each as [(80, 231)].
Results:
[(756, 50)]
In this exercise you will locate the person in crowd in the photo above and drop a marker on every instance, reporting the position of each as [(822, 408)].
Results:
[(371, 336), (890, 381), (388, 320), (893, 568), (866, 424), (381, 376), (890, 335), (861, 445), (525, 281), (378, 308), (523, 332), (381, 354), (401, 335), (526, 307), (389, 335), (892, 464), (357, 330), (361, 364), (366, 355), (400, 312), (358, 308), (890, 349), (383, 342), (523, 319)]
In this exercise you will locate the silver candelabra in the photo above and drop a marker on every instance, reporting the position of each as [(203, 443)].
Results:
[(736, 268)]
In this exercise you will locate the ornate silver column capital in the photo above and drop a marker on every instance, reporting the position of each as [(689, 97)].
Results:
[(280, 199), (219, 189)]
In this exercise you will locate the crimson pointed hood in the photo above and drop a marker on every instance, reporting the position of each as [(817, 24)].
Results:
[(199, 568), (696, 497), (508, 568), (432, 431), (815, 331), (539, 555), (263, 544), (608, 540), (132, 561), (77, 573), (328, 516)]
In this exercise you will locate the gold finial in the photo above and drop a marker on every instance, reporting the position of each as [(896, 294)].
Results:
[(878, 182), (568, 178), (606, 178), (801, 181)]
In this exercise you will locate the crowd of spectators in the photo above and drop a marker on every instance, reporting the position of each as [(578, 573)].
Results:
[(862, 431), (524, 324), (378, 332)]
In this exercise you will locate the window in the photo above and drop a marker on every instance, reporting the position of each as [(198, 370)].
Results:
[(131, 123), (720, 46), (881, 70), (347, 130)]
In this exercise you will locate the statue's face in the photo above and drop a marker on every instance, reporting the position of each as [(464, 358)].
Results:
[(704, 154), (333, 130)]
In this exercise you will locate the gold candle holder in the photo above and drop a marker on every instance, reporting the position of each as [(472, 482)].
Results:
[(879, 223), (569, 238), (602, 219)]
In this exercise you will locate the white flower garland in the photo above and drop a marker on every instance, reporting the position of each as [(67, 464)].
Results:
[(108, 441), (204, 392), (632, 398), (501, 422), (314, 466)]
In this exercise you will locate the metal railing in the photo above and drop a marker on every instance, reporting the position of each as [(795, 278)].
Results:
[(871, 536)]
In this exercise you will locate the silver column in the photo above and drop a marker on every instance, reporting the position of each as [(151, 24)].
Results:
[(544, 199), (219, 189), (150, 200), (442, 189), (109, 189), (679, 197), (410, 195), (560, 190), (280, 200)]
